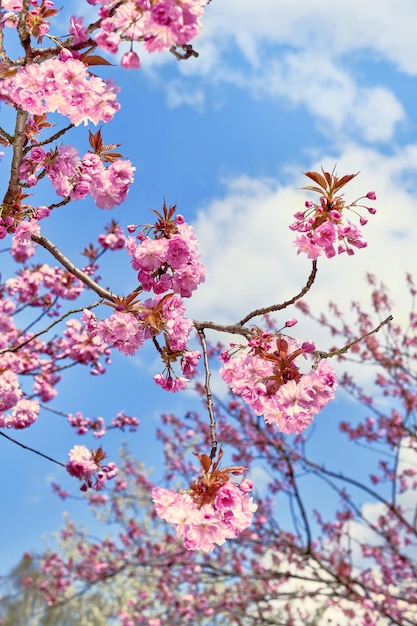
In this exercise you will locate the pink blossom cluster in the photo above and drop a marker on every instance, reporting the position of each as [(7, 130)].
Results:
[(325, 229), (23, 412), (169, 265), (203, 527), (10, 17), (87, 467), (33, 359), (127, 331), (168, 262), (22, 245), (121, 330), (75, 177), (83, 425), (123, 421), (265, 375), (113, 238), (27, 286), (77, 344), (160, 24), (65, 86)]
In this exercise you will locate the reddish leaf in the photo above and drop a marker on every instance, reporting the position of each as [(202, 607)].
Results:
[(94, 59), (318, 178)]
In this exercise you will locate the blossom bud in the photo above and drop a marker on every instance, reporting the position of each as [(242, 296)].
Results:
[(371, 195), (130, 61), (308, 346), (246, 485), (290, 322)]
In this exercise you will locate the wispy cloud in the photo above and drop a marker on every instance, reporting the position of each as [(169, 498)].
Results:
[(307, 55), (246, 242)]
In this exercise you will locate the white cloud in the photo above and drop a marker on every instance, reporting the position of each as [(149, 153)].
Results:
[(246, 242), (305, 55), (382, 28)]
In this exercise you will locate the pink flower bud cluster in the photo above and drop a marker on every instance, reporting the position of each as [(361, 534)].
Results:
[(22, 245), (77, 344), (203, 527), (23, 411), (83, 425), (63, 86), (160, 25), (267, 378), (87, 467), (325, 228), (75, 177), (27, 286), (113, 238), (168, 263), (123, 421), (10, 17)]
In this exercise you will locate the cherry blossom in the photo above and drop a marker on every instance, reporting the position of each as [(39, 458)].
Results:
[(324, 226)]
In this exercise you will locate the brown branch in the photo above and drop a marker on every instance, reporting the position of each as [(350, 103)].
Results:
[(187, 52), (45, 456), (73, 269), (18, 152), (234, 329), (327, 355), (50, 139), (239, 329), (209, 395), (279, 307), (45, 330)]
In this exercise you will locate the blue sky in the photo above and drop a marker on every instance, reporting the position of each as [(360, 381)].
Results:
[(284, 88)]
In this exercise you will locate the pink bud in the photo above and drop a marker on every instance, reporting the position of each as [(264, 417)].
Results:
[(371, 195), (308, 346), (291, 322), (131, 228), (130, 61), (308, 204), (65, 54), (246, 485)]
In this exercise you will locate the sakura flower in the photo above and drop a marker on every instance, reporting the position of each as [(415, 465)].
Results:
[(323, 225), (213, 510), (87, 467), (266, 376), (22, 415), (130, 60)]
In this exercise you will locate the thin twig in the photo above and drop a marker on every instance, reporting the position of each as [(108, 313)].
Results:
[(279, 307), (234, 329), (327, 355), (45, 456), (50, 139), (209, 395), (45, 330)]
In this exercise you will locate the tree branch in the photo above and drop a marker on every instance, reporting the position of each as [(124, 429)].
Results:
[(209, 395), (327, 355), (45, 330), (18, 143), (279, 307), (45, 456), (73, 269)]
